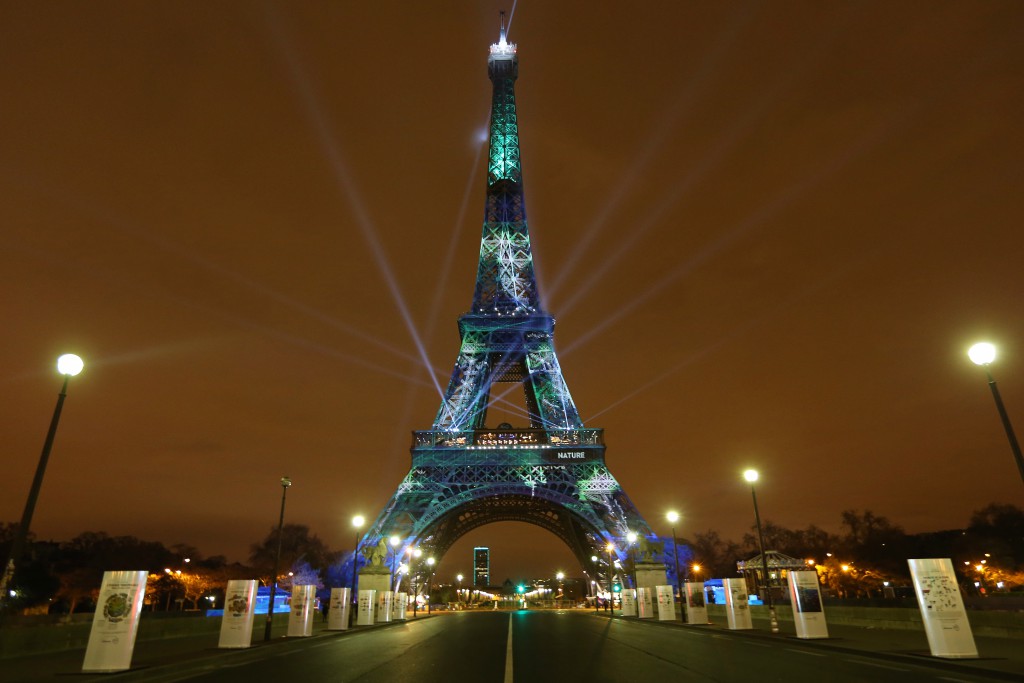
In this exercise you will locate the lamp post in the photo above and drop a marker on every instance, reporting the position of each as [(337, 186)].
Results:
[(597, 575), (561, 590), (983, 354), (611, 594), (458, 592), (414, 578), (751, 476), (673, 517), (285, 483), (357, 524), (631, 539), (68, 365), (430, 573), (393, 542)]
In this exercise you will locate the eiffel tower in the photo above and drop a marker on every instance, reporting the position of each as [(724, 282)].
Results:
[(551, 473)]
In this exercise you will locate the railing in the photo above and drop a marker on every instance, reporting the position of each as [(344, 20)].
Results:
[(508, 437)]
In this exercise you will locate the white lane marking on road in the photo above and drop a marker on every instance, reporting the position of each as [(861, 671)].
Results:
[(805, 652), (878, 666), (508, 653)]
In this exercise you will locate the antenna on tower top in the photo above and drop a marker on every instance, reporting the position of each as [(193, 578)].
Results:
[(501, 34)]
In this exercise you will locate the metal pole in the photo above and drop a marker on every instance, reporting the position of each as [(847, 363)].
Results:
[(611, 593), (285, 483), (1014, 446), (354, 598), (675, 556), (21, 536), (764, 564)]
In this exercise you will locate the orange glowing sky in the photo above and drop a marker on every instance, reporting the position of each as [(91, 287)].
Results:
[(768, 232)]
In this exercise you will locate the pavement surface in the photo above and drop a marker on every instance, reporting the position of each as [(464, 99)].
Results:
[(999, 658)]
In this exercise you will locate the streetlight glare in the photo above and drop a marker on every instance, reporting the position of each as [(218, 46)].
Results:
[(358, 521), (673, 516), (430, 561), (631, 537), (69, 364), (982, 353), (395, 540), (750, 475)]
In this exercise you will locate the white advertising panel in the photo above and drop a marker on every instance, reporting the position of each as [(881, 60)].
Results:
[(942, 609), (696, 603), (385, 606), (737, 611), (645, 602), (340, 608), (628, 598), (808, 612), (239, 612), (303, 607), (367, 606), (116, 622), (401, 603), (666, 603)]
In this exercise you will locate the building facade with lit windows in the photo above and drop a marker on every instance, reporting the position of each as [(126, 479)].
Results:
[(481, 567)]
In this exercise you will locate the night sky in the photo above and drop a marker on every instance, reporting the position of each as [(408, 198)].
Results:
[(768, 232)]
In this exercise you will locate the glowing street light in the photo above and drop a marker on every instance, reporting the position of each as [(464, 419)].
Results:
[(357, 523), (673, 517), (430, 574), (751, 477), (285, 483), (984, 354), (68, 365)]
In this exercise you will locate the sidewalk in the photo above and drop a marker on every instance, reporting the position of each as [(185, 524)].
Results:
[(998, 658), (153, 654)]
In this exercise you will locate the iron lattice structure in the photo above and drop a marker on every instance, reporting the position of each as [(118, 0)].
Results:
[(551, 473)]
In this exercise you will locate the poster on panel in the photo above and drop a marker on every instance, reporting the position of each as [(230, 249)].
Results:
[(628, 600), (239, 613), (808, 612), (645, 602), (385, 607), (303, 607), (367, 606), (340, 608), (116, 621), (696, 605), (666, 603), (737, 610), (401, 603), (942, 609)]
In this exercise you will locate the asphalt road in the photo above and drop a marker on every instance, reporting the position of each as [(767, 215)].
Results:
[(544, 646)]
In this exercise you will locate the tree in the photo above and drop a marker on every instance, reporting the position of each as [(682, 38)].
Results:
[(81, 561), (715, 556), (296, 544)]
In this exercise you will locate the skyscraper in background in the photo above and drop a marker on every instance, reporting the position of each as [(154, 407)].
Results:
[(481, 566)]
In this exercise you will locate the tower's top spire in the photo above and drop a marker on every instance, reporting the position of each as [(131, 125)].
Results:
[(502, 49)]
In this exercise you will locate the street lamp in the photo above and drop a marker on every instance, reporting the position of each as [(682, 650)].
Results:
[(673, 517), (68, 365), (751, 476), (983, 354), (430, 573), (611, 594), (393, 542), (357, 524), (414, 579), (285, 483), (458, 593), (631, 539)]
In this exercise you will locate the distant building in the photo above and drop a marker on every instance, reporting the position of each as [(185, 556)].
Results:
[(482, 567)]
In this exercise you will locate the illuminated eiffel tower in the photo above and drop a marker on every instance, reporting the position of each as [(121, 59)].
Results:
[(551, 473)]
